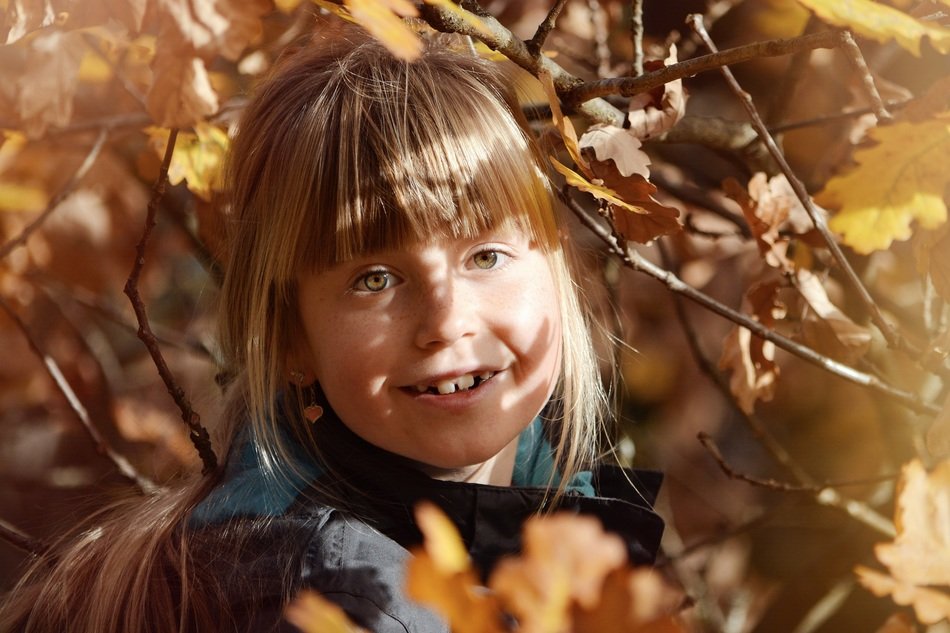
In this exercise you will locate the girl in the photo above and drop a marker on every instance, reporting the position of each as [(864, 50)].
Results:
[(400, 323)]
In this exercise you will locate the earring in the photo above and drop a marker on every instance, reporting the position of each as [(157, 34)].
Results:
[(297, 377), (313, 412)]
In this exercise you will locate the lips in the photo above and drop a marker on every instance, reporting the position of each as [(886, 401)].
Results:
[(447, 386)]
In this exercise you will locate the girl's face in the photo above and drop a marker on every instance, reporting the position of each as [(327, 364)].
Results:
[(442, 352)]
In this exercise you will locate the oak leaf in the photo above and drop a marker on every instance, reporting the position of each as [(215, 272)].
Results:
[(900, 179), (383, 20), (181, 92), (211, 27), (440, 575), (653, 113), (198, 158), (631, 601), (609, 142), (649, 219), (750, 358), (918, 559), (312, 613), (565, 561), (855, 338), (880, 22), (49, 80)]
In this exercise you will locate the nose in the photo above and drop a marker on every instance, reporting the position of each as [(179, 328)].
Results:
[(446, 314)]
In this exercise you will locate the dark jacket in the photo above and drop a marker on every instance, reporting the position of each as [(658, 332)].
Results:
[(356, 557)]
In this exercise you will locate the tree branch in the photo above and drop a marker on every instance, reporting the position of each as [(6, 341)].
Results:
[(635, 261), (102, 445), (636, 35), (60, 195), (21, 540), (198, 433), (535, 44), (893, 338), (629, 86), (856, 58)]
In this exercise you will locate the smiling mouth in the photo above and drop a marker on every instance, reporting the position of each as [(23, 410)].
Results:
[(449, 386)]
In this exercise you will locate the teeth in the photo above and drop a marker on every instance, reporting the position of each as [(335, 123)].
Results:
[(422, 388), (466, 381), (460, 383), (446, 386), (485, 375)]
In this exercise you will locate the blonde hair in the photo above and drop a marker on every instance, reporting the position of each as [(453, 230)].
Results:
[(344, 150)]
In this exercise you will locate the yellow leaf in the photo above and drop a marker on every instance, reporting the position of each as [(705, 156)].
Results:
[(15, 196), (198, 157), (312, 613), (338, 10), (382, 19), (561, 122), (900, 179), (461, 14), (439, 575), (598, 191), (880, 22)]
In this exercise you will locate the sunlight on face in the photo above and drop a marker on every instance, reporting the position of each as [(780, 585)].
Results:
[(441, 352)]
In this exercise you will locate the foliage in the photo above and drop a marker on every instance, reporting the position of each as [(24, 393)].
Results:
[(843, 354)]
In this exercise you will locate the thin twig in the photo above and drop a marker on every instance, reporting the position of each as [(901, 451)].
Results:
[(833, 118), (636, 34), (21, 539), (535, 44), (633, 260), (598, 19), (60, 195), (856, 58), (198, 433), (629, 86), (102, 445), (893, 338), (772, 484)]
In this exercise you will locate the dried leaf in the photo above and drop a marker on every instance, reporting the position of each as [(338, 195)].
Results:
[(880, 22), (900, 179), (440, 575), (49, 80), (919, 557), (849, 333), (212, 27), (562, 123), (565, 561), (631, 601), (651, 116), (751, 359), (24, 17), (609, 142), (898, 623), (652, 218), (598, 191), (181, 93), (383, 19), (312, 613)]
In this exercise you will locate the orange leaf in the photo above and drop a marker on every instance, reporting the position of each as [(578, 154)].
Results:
[(561, 122), (49, 80), (646, 119), (650, 218), (181, 93)]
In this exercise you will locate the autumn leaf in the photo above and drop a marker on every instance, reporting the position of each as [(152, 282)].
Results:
[(766, 206), (198, 158), (651, 115), (900, 179), (383, 19), (181, 93), (609, 142), (751, 359), (565, 561), (651, 220), (880, 22), (312, 613), (562, 123), (211, 27), (440, 575), (49, 80), (855, 338), (631, 601), (919, 557), (598, 191)]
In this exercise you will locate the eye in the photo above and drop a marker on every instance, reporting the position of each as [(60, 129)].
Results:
[(374, 281), (487, 259)]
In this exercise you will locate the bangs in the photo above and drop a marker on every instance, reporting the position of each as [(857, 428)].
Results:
[(413, 161)]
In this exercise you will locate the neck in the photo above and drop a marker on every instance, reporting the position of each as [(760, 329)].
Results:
[(495, 471)]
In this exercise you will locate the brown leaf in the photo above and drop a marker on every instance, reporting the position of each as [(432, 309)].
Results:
[(766, 206), (565, 561), (49, 80), (855, 337), (609, 142), (650, 116), (751, 359), (24, 16), (631, 601), (181, 93), (211, 27), (562, 123), (651, 219)]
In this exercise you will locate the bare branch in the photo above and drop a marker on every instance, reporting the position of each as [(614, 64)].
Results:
[(629, 86), (772, 484), (21, 540), (198, 433), (60, 195), (636, 34), (535, 44), (894, 339), (854, 55), (633, 260), (102, 445), (598, 18)]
